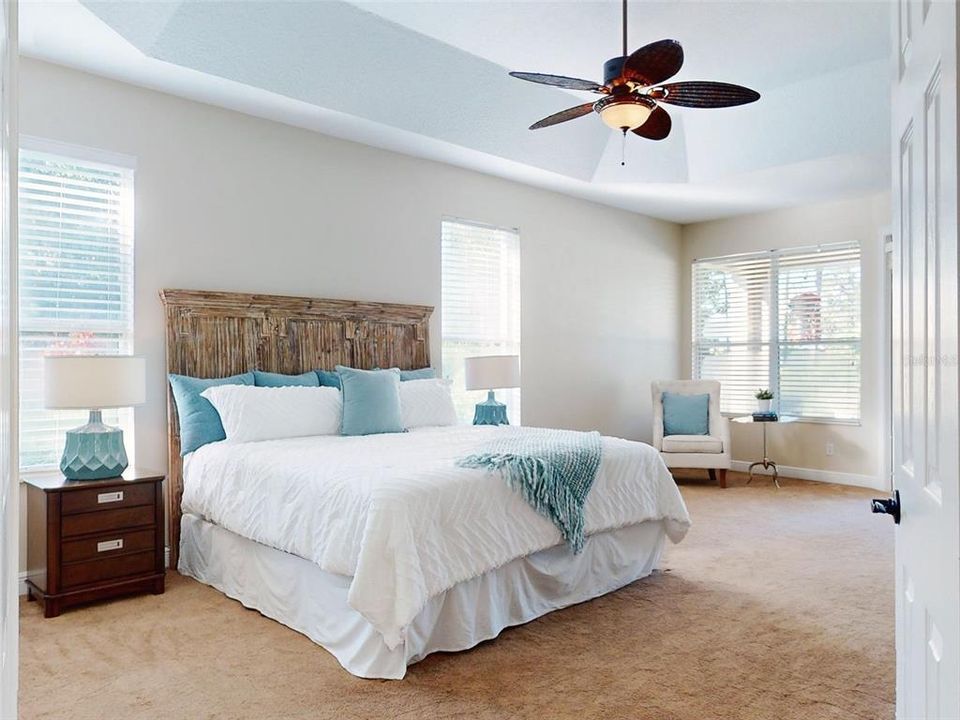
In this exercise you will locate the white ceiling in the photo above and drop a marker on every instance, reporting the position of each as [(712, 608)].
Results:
[(430, 79)]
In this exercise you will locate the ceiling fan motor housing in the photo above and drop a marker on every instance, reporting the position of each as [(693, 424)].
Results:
[(613, 69)]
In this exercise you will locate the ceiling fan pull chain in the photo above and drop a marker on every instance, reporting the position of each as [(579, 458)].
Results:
[(623, 149)]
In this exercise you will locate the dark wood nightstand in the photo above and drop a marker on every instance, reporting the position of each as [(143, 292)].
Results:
[(89, 540)]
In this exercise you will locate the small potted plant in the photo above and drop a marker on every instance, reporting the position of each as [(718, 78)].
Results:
[(764, 397)]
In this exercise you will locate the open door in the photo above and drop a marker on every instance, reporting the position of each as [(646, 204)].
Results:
[(926, 450)]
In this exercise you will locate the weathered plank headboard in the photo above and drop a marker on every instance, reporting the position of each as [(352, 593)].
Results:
[(215, 334)]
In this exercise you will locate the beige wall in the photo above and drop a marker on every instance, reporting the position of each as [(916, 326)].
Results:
[(225, 201), (858, 450)]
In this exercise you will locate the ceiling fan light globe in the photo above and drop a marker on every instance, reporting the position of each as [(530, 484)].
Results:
[(626, 114)]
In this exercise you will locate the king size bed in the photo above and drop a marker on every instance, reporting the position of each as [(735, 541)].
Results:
[(383, 548)]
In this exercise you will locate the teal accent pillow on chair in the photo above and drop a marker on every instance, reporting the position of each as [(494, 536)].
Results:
[(199, 420), (371, 401), (686, 414), (270, 379)]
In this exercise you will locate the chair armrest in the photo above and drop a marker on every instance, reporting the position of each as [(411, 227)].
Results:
[(657, 415), (725, 434), (658, 433)]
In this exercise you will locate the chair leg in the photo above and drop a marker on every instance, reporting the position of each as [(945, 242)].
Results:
[(713, 475), (722, 477)]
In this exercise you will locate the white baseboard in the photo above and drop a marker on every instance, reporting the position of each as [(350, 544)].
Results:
[(827, 476), (22, 577)]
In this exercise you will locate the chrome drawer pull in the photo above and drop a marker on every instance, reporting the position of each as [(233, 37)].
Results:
[(110, 497), (110, 545)]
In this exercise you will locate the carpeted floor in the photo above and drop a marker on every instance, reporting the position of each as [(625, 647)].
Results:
[(778, 605)]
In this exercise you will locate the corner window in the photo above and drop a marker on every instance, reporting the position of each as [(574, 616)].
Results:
[(788, 320)]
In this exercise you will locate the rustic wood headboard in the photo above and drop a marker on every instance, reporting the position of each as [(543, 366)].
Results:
[(215, 334)]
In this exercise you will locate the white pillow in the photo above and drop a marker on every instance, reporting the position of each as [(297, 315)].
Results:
[(425, 403), (250, 413)]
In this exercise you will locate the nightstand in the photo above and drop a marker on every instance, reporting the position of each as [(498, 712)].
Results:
[(88, 540)]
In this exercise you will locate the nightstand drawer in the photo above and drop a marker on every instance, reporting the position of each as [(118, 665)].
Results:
[(93, 571), (105, 546), (101, 522), (111, 498)]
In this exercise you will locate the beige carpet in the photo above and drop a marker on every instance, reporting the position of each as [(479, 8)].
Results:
[(778, 605)]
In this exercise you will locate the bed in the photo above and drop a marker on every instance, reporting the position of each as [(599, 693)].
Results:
[(381, 548)]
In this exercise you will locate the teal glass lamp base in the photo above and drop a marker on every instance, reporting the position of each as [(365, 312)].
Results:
[(490, 412), (93, 451)]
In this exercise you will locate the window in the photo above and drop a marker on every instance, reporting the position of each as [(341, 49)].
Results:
[(480, 304), (76, 279), (786, 319)]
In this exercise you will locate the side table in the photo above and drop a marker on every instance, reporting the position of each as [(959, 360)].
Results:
[(766, 463)]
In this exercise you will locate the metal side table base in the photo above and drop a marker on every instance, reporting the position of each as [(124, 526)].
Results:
[(766, 464)]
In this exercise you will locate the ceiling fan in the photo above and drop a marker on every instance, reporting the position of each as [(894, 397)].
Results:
[(632, 90)]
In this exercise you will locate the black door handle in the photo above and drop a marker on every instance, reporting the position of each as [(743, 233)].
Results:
[(888, 506)]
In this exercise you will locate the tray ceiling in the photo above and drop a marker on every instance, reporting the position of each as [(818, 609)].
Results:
[(430, 79)]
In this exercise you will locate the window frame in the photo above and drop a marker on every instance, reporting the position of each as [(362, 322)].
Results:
[(774, 341), (94, 158), (514, 400)]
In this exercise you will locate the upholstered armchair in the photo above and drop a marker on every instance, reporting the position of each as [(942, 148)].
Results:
[(710, 452)]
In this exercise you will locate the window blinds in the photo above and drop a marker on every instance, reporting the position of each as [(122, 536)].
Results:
[(76, 282), (480, 304), (788, 320)]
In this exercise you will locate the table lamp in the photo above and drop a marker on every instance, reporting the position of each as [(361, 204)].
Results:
[(93, 382), (492, 372)]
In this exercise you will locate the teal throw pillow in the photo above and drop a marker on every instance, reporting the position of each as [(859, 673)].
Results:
[(199, 420), (328, 378), (686, 414), (371, 401), (421, 374), (270, 379)]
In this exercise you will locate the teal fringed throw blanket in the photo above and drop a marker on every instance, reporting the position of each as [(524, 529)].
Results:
[(552, 469)]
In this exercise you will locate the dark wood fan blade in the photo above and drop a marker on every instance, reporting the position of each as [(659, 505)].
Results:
[(657, 126), (563, 116), (561, 81), (654, 63), (704, 94)]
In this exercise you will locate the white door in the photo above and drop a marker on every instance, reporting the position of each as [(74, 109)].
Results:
[(925, 370)]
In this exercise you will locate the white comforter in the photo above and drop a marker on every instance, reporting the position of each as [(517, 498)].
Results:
[(396, 513)]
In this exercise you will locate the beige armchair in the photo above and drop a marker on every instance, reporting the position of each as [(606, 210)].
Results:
[(711, 452)]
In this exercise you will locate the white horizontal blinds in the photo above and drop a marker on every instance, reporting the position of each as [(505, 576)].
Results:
[(480, 304), (808, 353), (731, 325), (76, 282), (819, 333)]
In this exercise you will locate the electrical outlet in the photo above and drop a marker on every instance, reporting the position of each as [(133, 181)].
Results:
[(829, 448)]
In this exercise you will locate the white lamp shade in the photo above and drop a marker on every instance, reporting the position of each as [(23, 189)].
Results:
[(492, 372), (93, 382)]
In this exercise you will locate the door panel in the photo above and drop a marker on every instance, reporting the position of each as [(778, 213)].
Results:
[(925, 329)]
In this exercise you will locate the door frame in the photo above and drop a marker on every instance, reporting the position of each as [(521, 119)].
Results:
[(885, 439), (9, 461)]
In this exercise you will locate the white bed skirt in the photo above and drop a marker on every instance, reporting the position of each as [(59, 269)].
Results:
[(298, 594)]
